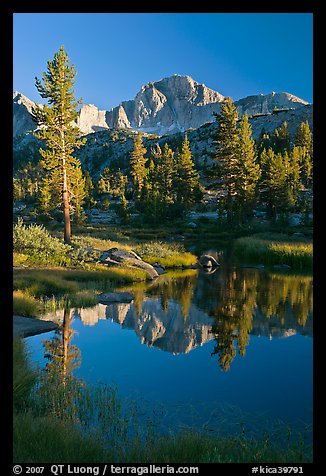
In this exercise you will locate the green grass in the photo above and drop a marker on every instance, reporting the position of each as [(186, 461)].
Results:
[(192, 447), (39, 290), (25, 305), (74, 423), (87, 241), (274, 248), (24, 377), (170, 255), (50, 440)]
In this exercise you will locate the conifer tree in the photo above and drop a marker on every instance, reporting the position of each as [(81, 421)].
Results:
[(248, 170), (77, 187), (304, 144), (263, 142), (57, 129), (158, 195), (281, 139), (150, 193), (227, 151), (89, 200), (275, 186), (165, 171), (292, 162), (187, 178), (137, 165), (45, 197), (303, 137), (264, 159)]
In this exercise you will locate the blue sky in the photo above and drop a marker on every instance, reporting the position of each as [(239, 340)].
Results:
[(236, 54)]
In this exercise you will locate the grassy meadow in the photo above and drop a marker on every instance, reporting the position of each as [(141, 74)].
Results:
[(275, 249)]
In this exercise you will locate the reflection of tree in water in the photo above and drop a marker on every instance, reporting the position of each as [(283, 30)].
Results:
[(63, 357), (281, 295), (234, 315), (177, 288), (139, 296), (58, 385), (244, 302)]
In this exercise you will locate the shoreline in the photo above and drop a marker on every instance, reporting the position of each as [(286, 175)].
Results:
[(30, 326)]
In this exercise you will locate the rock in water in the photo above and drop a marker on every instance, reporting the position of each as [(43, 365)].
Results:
[(208, 261), (159, 268), (115, 297), (281, 266)]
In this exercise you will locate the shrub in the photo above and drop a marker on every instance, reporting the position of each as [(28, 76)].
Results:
[(159, 249), (36, 242)]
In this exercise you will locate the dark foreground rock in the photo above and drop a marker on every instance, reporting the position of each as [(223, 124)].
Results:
[(30, 326), (115, 297)]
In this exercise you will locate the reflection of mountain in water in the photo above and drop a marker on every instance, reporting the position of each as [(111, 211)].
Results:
[(164, 329), (178, 313)]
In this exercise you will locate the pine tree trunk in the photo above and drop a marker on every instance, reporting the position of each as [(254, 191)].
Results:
[(66, 207), (66, 218)]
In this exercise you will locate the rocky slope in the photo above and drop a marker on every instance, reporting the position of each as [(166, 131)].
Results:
[(166, 106), (266, 103), (107, 145), (22, 118), (91, 119)]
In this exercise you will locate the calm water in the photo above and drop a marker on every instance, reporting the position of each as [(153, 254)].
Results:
[(206, 349)]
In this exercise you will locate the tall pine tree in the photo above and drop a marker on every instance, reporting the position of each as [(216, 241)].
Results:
[(227, 152), (57, 129), (248, 169), (137, 165), (274, 190), (187, 177), (281, 139), (303, 142)]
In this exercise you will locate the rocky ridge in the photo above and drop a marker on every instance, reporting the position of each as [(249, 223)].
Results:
[(167, 106), (107, 145), (22, 114)]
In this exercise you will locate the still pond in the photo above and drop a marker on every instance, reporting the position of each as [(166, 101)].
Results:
[(201, 350)]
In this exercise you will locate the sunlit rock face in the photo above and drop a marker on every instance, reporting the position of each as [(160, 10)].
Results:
[(22, 110), (267, 103), (170, 105), (91, 119), (167, 106)]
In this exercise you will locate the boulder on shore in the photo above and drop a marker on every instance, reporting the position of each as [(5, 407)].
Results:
[(30, 326), (115, 256)]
